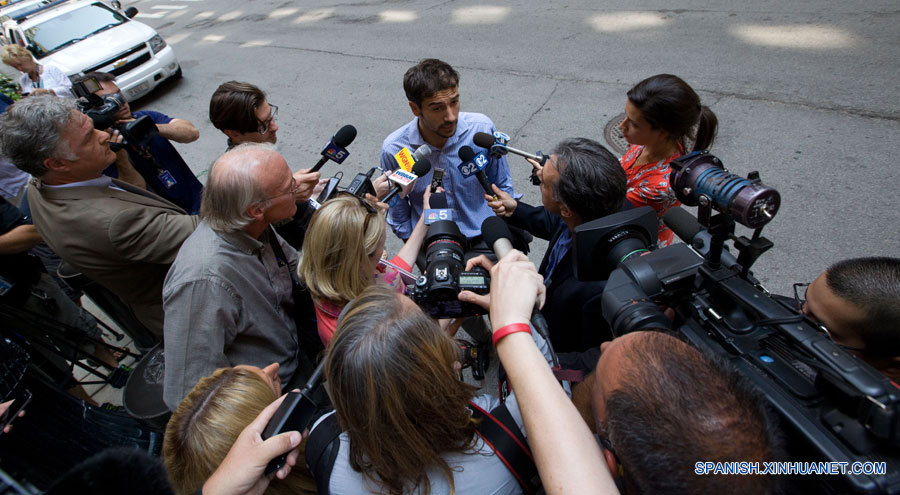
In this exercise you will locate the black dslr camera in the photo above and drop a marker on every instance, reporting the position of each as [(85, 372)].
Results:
[(445, 276), (102, 111), (834, 407)]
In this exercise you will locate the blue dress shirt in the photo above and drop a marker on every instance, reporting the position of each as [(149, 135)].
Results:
[(464, 195)]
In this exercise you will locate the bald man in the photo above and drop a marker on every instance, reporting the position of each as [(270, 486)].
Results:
[(228, 298)]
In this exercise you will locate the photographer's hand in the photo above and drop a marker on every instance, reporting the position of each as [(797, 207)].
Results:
[(306, 183), (504, 205), (535, 164), (426, 198), (483, 300), (126, 170), (516, 288), (242, 470), (381, 185), (378, 204), (3, 408), (568, 458), (320, 186), (521, 267)]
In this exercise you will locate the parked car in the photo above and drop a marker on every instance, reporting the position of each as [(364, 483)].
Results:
[(24, 7), (80, 36)]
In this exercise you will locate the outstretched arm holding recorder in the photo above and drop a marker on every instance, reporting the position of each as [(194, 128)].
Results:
[(242, 470), (568, 458)]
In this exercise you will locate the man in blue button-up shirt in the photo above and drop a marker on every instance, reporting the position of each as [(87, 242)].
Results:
[(432, 88)]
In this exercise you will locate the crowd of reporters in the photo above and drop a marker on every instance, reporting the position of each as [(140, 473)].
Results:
[(249, 295)]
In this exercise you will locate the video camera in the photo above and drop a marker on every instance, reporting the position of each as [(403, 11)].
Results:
[(835, 407), (102, 111), (445, 276)]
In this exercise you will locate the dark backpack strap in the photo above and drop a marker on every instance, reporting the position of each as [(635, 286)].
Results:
[(304, 310), (321, 451), (498, 429)]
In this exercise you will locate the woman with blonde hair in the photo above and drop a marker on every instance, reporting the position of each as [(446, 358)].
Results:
[(37, 79), (209, 420), (406, 419), (343, 254)]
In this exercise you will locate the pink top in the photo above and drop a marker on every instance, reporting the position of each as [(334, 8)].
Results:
[(648, 185), (327, 312)]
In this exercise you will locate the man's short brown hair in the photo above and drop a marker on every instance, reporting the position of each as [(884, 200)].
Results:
[(427, 78), (233, 106)]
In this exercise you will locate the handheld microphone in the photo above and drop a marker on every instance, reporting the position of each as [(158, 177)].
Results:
[(487, 141), (439, 201), (295, 413), (421, 168), (473, 164), (406, 160), (422, 152), (439, 209), (497, 235), (334, 150)]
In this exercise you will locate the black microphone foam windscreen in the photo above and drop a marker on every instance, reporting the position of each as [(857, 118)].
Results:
[(494, 228), (682, 223), (466, 153), (438, 201), (421, 167), (483, 139), (344, 136)]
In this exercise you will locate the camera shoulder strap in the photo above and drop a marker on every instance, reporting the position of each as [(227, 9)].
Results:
[(322, 448), (499, 430)]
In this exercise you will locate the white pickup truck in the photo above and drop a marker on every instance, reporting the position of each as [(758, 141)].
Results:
[(80, 36)]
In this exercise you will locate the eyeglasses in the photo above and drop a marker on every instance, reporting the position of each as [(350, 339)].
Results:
[(800, 303), (264, 126), (797, 300), (293, 190), (371, 211)]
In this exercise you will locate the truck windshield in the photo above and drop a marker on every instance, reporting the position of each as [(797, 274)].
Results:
[(63, 30)]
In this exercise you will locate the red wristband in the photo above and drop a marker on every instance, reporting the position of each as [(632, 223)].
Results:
[(508, 329)]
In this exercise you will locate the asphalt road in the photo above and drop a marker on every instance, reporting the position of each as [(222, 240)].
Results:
[(805, 92)]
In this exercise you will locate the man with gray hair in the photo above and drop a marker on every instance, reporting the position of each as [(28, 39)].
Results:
[(228, 297), (582, 181), (119, 235)]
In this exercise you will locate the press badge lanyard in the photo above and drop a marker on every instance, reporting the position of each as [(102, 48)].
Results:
[(162, 174)]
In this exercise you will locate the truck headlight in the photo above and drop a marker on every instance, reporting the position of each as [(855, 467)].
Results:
[(157, 44)]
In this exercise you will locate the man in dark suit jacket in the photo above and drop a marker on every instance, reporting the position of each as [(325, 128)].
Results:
[(582, 181), (123, 237)]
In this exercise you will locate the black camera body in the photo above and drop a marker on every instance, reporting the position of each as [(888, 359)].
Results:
[(834, 406), (102, 111), (445, 276)]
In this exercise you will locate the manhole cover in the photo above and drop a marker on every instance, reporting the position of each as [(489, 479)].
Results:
[(613, 135)]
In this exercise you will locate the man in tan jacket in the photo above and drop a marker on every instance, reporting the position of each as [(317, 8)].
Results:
[(121, 236)]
